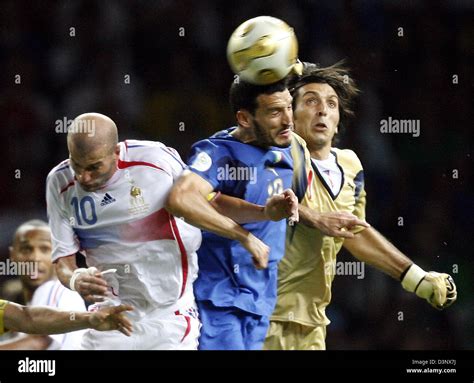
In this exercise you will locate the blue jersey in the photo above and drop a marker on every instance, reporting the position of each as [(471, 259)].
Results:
[(227, 276)]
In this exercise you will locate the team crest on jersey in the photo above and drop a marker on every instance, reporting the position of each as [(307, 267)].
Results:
[(137, 202), (202, 162)]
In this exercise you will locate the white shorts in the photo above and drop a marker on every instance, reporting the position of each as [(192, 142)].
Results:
[(172, 328)]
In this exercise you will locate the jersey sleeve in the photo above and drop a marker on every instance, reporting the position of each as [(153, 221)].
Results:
[(3, 304), (63, 238), (209, 160), (359, 194), (173, 160)]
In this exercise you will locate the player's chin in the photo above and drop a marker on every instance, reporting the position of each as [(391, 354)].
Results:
[(90, 188), (283, 139)]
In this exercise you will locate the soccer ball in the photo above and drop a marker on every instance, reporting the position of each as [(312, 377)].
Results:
[(263, 50)]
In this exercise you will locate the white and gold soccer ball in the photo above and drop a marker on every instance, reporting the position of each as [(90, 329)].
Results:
[(263, 50)]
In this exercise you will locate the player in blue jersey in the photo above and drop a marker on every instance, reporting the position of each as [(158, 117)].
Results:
[(250, 161)]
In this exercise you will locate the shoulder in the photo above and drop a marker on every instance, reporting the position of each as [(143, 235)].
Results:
[(211, 149), (137, 149), (347, 158), (60, 175), (296, 139), (154, 153)]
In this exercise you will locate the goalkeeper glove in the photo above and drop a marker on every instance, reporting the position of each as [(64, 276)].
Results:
[(438, 289)]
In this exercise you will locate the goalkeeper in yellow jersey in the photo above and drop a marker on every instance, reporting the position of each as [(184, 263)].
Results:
[(328, 179)]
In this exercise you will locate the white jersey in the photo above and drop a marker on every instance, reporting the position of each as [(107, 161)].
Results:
[(53, 294), (124, 226)]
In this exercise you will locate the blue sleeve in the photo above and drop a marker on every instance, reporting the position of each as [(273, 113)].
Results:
[(208, 160)]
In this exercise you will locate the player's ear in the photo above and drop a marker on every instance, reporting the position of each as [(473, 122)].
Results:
[(243, 118), (117, 149)]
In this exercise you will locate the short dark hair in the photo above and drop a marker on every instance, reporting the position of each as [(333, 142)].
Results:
[(243, 95), (337, 76)]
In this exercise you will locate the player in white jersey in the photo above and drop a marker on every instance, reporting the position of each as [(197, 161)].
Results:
[(31, 252), (107, 201)]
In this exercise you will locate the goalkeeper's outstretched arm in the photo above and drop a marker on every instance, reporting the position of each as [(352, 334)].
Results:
[(373, 248)]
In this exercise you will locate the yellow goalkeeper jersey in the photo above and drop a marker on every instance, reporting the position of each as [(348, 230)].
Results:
[(306, 271), (3, 304)]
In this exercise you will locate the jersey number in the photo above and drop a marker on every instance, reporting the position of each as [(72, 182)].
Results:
[(275, 187), (81, 211)]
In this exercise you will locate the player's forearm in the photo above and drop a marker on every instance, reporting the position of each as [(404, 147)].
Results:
[(197, 211), (374, 249), (65, 268), (43, 320), (238, 210), (308, 217)]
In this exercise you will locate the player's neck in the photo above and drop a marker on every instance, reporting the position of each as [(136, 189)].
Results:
[(320, 153), (245, 135)]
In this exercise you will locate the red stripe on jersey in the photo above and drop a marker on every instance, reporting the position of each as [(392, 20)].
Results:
[(54, 301), (310, 178), (153, 227), (188, 324), (184, 255), (67, 186), (126, 164)]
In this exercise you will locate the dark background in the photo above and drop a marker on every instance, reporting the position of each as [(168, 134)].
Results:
[(176, 80)]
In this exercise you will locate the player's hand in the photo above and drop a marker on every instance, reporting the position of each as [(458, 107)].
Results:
[(111, 318), (281, 206), (259, 251), (91, 285), (338, 224), (443, 289), (438, 289)]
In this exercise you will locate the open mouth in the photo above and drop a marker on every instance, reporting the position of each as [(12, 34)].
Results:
[(285, 133), (320, 126)]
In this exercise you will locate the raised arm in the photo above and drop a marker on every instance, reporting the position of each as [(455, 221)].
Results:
[(188, 199)]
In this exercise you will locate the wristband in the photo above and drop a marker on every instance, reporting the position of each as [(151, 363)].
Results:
[(75, 274), (413, 278)]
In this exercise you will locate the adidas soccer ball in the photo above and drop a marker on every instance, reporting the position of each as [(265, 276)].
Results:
[(263, 50)]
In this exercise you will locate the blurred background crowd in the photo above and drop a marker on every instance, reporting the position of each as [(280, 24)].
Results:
[(158, 68)]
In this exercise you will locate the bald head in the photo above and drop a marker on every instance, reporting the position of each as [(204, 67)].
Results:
[(34, 224), (91, 132), (93, 150)]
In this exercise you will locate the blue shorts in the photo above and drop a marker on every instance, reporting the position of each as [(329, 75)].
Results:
[(230, 328)]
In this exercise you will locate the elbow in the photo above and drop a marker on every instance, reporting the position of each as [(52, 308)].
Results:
[(172, 201)]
